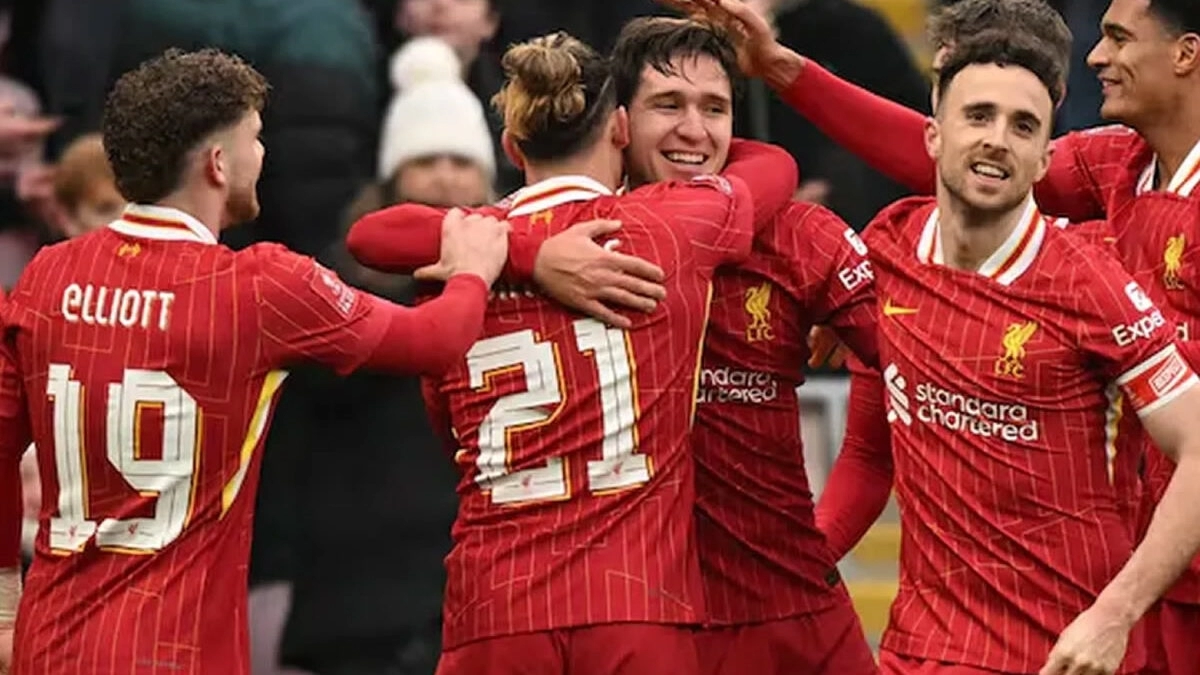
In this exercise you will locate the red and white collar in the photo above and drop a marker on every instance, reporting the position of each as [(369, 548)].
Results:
[(553, 192), (1008, 262), (163, 223), (1183, 183)]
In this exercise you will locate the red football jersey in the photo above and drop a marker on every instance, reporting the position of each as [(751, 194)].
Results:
[(1085, 169), (1156, 226), (577, 489), (1003, 397), (14, 419), (761, 554), (152, 358)]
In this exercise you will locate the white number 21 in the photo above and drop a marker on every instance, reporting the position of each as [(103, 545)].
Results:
[(169, 479), (619, 466)]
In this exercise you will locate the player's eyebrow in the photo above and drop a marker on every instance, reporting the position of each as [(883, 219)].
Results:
[(985, 107), (1115, 30), (1029, 117)]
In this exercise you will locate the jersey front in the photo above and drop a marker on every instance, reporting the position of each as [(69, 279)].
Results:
[(151, 358), (760, 551), (577, 489), (1006, 390)]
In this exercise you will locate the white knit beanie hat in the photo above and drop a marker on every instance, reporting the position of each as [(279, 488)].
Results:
[(433, 111)]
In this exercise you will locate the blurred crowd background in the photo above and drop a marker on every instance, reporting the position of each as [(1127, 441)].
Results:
[(376, 102)]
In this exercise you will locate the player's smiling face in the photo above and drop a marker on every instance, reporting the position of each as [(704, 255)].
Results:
[(681, 124), (990, 138), (1136, 59)]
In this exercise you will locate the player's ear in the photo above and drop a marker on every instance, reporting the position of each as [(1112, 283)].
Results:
[(1044, 161), (511, 150), (1187, 53), (216, 165), (933, 137), (619, 128)]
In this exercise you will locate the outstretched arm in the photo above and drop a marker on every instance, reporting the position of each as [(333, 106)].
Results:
[(570, 266), (887, 136)]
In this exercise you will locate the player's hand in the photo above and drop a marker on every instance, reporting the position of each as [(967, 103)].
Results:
[(750, 27), (588, 277), (825, 348), (471, 244), (1094, 644)]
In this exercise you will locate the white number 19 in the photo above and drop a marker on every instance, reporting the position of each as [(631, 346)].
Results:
[(169, 479), (620, 466)]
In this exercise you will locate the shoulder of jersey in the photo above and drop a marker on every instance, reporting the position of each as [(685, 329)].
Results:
[(1107, 130), (717, 181), (1088, 254), (909, 212), (1120, 137), (810, 219)]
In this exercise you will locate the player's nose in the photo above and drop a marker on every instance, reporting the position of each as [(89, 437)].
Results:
[(691, 125)]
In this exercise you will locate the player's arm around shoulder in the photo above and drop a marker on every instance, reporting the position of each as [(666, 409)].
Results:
[(307, 313), (1127, 334), (769, 172)]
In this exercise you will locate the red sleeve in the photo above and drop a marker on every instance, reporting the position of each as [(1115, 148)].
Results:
[(1084, 167), (716, 213), (16, 436), (854, 119), (429, 339), (847, 300), (402, 238), (769, 171), (860, 481), (307, 313), (1129, 338)]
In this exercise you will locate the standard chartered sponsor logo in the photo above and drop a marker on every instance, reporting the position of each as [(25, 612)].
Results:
[(957, 411), (729, 385)]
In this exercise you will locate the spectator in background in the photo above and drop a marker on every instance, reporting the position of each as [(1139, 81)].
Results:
[(85, 187), (26, 184), (1081, 108), (357, 497), (321, 57), (469, 27), (436, 143), (858, 44)]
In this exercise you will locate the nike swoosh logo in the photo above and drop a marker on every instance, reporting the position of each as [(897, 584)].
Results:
[(896, 310)]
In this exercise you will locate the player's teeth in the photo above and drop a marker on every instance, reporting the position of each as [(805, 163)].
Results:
[(989, 170), (685, 157)]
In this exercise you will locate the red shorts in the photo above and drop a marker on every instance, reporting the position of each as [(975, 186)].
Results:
[(892, 663), (610, 649), (829, 642), (1173, 639)]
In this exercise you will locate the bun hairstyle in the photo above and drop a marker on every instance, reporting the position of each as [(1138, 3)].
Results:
[(556, 97)]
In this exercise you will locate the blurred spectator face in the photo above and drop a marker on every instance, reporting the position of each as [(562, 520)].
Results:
[(681, 124), (442, 180), (85, 187), (464, 24), (101, 205)]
